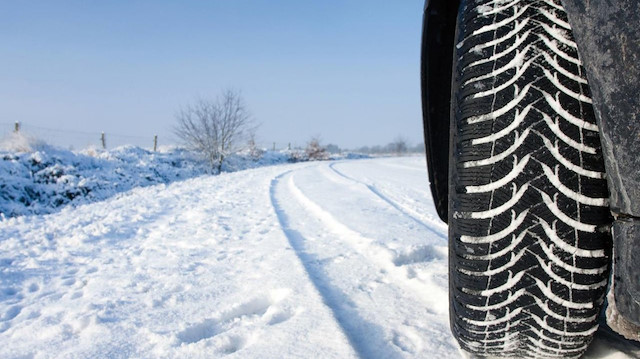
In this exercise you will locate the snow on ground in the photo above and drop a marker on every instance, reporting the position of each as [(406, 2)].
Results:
[(338, 259)]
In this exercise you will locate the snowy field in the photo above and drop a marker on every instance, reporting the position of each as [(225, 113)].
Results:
[(342, 259)]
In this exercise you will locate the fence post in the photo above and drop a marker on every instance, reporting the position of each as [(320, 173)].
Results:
[(16, 127), (104, 141), (155, 143)]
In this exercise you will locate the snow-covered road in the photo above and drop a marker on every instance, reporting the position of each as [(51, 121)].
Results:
[(315, 260)]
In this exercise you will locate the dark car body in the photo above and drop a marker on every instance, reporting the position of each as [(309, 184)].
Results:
[(607, 33)]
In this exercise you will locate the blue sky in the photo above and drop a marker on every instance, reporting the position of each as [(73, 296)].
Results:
[(345, 70)]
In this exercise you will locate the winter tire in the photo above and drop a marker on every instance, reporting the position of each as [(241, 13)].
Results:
[(528, 209)]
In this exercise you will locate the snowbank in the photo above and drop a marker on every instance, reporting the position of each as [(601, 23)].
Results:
[(39, 179)]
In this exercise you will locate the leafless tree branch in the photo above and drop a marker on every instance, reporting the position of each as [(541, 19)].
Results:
[(215, 128)]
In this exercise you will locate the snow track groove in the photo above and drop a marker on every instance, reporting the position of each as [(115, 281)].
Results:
[(324, 244), (404, 209), (335, 299)]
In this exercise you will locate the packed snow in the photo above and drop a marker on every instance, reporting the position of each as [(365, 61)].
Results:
[(332, 259)]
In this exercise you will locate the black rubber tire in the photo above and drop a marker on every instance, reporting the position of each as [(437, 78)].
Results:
[(528, 209)]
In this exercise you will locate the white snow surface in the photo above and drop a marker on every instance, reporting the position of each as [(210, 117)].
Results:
[(337, 259)]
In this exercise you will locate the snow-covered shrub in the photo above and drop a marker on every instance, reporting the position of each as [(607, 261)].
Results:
[(21, 142), (42, 181), (46, 178), (254, 151), (315, 151)]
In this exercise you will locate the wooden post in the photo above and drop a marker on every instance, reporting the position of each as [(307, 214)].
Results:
[(104, 142), (274, 147), (155, 143), (16, 128)]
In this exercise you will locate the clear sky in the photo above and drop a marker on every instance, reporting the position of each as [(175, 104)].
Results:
[(345, 70)]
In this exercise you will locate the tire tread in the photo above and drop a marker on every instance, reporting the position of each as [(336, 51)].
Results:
[(527, 183)]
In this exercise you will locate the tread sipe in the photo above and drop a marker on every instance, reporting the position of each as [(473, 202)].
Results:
[(529, 217)]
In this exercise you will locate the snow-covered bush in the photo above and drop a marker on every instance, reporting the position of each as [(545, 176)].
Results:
[(254, 151), (315, 151), (21, 142), (43, 180), (38, 179)]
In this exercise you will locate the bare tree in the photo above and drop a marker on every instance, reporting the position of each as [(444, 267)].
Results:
[(398, 146), (315, 151), (215, 127)]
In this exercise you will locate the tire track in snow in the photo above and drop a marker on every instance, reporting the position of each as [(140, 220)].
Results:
[(358, 330), (383, 311), (401, 208), (383, 258)]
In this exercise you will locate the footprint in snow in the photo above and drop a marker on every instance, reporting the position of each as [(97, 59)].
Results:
[(407, 340), (229, 344), (9, 292), (203, 330), (248, 315), (11, 313), (275, 315), (239, 315)]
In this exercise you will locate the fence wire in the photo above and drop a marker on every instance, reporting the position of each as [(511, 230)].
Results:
[(73, 139), (78, 140)]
